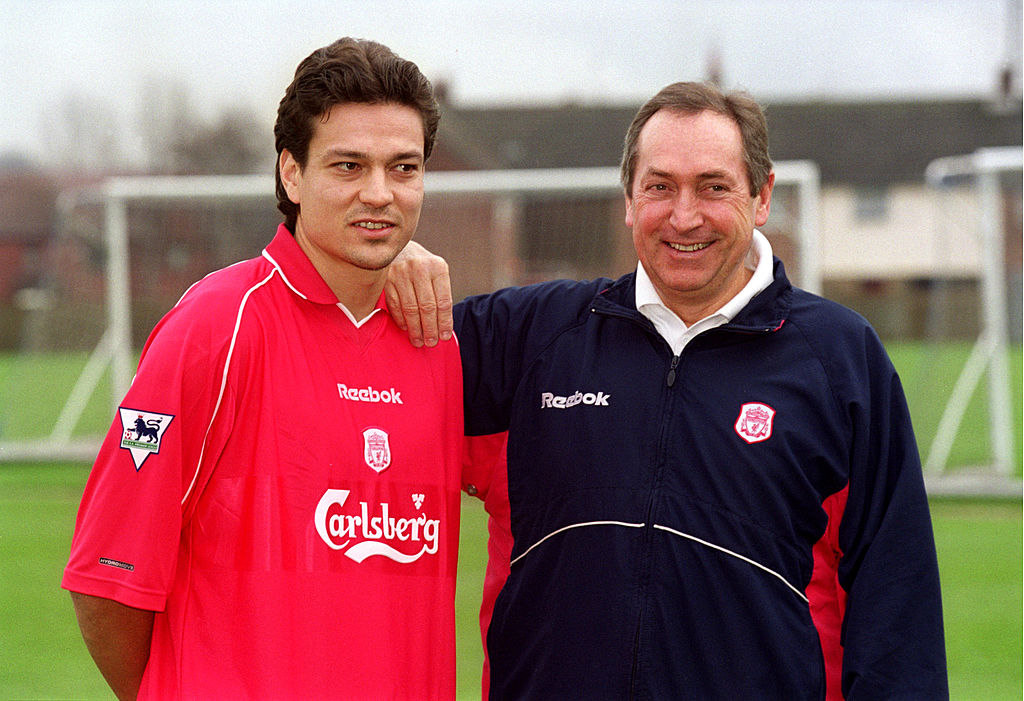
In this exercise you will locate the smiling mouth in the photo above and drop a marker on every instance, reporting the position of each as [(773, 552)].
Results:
[(373, 225), (688, 248)]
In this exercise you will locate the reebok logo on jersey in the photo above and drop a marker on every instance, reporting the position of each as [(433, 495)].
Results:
[(754, 423), (369, 394), (141, 433), (362, 532), (554, 401)]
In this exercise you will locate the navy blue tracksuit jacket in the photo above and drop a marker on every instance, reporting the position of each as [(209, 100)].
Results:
[(744, 521)]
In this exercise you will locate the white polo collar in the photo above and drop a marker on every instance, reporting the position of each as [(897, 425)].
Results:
[(673, 329)]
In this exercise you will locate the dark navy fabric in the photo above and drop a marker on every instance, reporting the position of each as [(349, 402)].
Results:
[(659, 555)]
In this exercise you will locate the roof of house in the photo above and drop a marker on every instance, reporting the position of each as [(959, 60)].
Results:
[(866, 142), (887, 142)]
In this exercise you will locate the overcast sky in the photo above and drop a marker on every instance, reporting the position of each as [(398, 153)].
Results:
[(243, 53)]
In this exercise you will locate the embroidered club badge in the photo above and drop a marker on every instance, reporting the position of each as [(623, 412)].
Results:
[(142, 432), (376, 449), (755, 422)]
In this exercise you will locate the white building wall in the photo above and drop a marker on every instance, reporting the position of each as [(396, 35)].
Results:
[(924, 233)]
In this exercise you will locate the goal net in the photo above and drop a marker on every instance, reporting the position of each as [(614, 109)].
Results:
[(125, 251)]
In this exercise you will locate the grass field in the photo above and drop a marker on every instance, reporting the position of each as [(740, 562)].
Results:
[(42, 655)]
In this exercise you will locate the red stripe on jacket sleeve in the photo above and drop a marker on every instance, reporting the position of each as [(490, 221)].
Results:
[(827, 598), (485, 475)]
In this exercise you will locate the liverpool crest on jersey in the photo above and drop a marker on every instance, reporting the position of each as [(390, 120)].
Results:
[(141, 432), (376, 449), (755, 422)]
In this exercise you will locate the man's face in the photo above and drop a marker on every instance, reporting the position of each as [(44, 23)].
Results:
[(361, 189), (691, 210)]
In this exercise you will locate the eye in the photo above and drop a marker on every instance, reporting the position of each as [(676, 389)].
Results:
[(407, 168), (346, 165)]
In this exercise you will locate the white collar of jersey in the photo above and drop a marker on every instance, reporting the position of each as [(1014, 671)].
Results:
[(352, 317), (673, 329)]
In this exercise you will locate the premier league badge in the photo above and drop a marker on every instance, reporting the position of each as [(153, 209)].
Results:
[(141, 433), (376, 449), (755, 422)]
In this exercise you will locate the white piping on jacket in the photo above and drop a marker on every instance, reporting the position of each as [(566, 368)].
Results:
[(667, 530)]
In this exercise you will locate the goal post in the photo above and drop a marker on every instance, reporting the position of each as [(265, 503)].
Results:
[(989, 356), (508, 194)]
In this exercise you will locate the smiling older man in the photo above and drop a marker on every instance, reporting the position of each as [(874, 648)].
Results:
[(743, 516)]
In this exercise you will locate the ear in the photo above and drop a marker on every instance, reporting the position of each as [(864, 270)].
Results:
[(629, 211), (763, 201), (291, 175)]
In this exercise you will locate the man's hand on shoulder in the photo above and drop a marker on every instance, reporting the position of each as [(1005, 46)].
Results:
[(419, 295)]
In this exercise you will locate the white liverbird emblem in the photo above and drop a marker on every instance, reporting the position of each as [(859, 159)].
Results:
[(755, 422), (376, 449)]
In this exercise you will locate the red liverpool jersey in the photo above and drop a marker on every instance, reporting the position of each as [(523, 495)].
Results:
[(281, 485)]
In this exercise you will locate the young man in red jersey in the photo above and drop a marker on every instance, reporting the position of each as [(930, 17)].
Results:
[(274, 513)]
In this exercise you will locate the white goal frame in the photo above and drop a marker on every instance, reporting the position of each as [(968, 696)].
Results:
[(114, 350), (990, 354)]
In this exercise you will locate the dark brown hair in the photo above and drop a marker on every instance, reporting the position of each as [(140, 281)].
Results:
[(691, 98), (349, 70)]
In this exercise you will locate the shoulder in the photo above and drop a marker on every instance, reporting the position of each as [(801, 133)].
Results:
[(225, 287), (842, 339), (827, 321), (509, 327), (557, 301), (209, 310)]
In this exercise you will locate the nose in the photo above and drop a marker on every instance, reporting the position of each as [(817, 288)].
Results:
[(376, 191), (686, 212)]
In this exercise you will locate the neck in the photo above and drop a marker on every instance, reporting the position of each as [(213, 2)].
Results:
[(693, 311), (359, 296), (358, 288)]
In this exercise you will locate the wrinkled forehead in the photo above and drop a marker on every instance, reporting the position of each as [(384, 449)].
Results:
[(701, 141)]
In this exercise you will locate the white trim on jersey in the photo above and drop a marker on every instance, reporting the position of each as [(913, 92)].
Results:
[(224, 374)]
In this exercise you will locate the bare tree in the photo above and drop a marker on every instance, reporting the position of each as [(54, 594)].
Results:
[(83, 134), (236, 143)]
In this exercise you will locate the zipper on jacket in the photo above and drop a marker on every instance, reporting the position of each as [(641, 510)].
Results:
[(645, 324), (634, 679), (648, 327), (671, 379)]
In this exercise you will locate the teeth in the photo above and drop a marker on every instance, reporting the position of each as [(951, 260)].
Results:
[(373, 225), (689, 249)]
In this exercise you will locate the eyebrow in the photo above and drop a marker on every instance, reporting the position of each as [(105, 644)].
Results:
[(332, 154), (716, 175), (707, 175), (655, 173)]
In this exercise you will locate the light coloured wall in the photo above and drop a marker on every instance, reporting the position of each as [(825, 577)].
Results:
[(925, 234)]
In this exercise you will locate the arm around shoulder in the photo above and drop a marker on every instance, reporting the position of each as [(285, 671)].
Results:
[(419, 295), (118, 638)]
